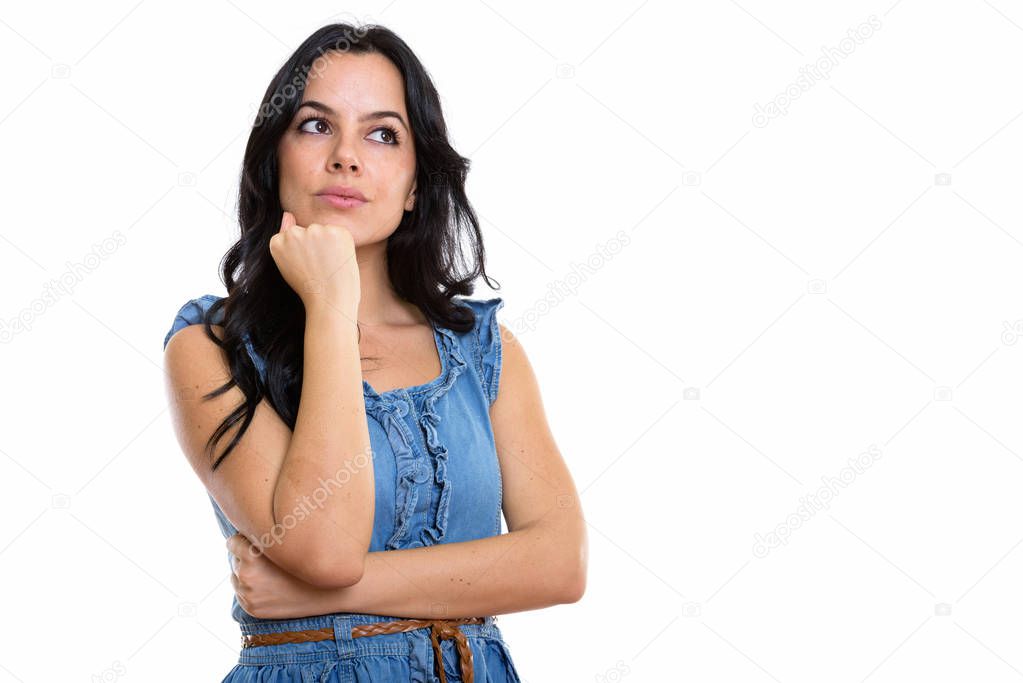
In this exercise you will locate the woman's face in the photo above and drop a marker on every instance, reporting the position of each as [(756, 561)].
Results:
[(349, 146)]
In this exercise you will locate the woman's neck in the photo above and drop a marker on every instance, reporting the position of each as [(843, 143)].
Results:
[(379, 304)]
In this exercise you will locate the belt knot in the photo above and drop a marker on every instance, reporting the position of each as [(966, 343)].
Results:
[(440, 629)]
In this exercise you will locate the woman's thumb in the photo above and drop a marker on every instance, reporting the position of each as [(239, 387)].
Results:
[(287, 221)]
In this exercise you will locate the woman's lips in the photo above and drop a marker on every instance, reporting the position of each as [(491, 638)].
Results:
[(339, 202)]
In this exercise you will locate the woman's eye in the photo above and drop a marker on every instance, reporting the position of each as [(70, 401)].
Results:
[(390, 135), (308, 121)]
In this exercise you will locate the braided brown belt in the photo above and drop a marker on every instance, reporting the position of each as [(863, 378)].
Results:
[(439, 630)]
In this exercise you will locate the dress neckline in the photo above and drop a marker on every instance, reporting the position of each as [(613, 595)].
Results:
[(440, 342)]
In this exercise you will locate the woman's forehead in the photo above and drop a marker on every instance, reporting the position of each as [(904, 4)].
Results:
[(356, 83)]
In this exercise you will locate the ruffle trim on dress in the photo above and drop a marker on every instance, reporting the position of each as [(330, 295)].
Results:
[(429, 421), (388, 409), (489, 335)]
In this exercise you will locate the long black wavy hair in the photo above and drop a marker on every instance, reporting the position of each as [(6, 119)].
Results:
[(435, 254)]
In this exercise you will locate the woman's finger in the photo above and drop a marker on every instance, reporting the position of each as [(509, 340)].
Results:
[(238, 544), (287, 221)]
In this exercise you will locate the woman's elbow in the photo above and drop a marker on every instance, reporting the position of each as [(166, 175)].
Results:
[(574, 586), (336, 573)]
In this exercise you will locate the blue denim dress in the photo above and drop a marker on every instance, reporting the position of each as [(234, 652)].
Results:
[(438, 480)]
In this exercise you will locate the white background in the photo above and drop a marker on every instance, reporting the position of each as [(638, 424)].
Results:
[(844, 280)]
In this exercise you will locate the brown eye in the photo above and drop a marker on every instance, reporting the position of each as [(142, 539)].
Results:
[(314, 119), (391, 134)]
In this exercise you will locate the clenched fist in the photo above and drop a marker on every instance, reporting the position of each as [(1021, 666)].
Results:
[(317, 261)]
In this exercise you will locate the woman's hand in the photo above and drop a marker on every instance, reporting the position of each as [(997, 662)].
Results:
[(266, 591), (318, 262)]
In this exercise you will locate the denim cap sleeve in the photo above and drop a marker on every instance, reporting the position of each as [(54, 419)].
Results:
[(191, 313), (488, 336)]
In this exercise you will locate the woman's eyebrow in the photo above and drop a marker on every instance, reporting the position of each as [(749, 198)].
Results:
[(320, 106)]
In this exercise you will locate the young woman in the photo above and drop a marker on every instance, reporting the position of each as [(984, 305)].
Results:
[(380, 421)]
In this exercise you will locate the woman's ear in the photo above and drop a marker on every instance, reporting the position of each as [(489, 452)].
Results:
[(410, 201)]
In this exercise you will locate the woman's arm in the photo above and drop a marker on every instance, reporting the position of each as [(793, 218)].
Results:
[(540, 562), (329, 459), (303, 498), (521, 570)]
